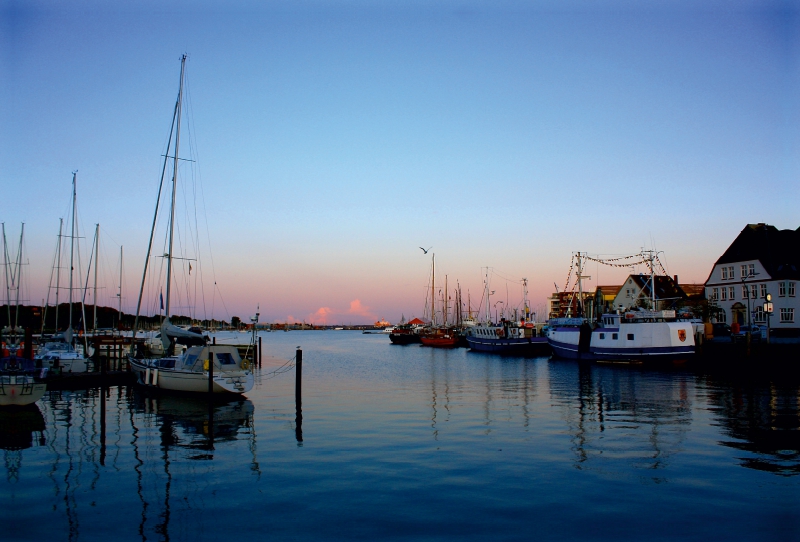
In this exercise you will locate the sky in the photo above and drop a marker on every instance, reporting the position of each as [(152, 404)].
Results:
[(331, 140)]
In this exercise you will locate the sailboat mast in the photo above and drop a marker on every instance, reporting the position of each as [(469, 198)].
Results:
[(58, 264), (119, 308), (8, 282), (445, 300), (433, 289), (72, 244), (18, 276), (96, 255), (174, 186), (486, 291)]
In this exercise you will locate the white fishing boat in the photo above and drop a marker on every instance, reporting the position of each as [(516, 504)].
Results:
[(634, 335), (201, 367)]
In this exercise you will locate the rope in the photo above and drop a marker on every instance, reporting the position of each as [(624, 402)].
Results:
[(285, 368)]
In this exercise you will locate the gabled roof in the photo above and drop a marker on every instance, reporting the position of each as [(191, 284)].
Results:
[(416, 322), (665, 286), (611, 291), (696, 291), (777, 250)]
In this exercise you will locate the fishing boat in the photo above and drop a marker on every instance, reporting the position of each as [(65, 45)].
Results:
[(407, 332), (201, 367), (517, 337), (635, 335)]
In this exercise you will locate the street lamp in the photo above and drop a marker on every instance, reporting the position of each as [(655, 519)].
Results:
[(749, 323), (768, 311)]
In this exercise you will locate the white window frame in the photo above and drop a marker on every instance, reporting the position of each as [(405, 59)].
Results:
[(714, 293), (754, 291), (744, 270), (724, 293), (791, 289), (787, 315), (763, 291), (724, 274), (781, 289), (745, 291), (731, 293), (731, 276)]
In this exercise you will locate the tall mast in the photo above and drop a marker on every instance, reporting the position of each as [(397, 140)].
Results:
[(433, 290), (58, 263), (174, 186), (96, 261), (6, 269), (444, 304), (526, 308), (72, 244), (119, 308), (486, 291), (18, 276)]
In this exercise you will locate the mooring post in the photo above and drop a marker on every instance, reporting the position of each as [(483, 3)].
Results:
[(259, 352), (28, 352), (298, 377), (210, 372), (298, 397), (213, 340)]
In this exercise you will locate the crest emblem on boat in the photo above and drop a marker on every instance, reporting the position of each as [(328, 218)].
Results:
[(682, 334)]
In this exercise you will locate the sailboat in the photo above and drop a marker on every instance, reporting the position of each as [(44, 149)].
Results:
[(18, 385), (443, 336), (60, 354), (201, 367)]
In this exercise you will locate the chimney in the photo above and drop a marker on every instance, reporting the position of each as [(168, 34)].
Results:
[(675, 279)]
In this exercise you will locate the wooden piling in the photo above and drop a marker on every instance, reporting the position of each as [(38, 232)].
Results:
[(210, 373), (259, 352), (298, 398)]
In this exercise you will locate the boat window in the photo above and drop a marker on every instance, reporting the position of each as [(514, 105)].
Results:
[(615, 336), (189, 360), (225, 359), (167, 364), (630, 336), (602, 335)]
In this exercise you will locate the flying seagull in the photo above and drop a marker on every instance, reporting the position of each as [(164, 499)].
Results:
[(425, 250)]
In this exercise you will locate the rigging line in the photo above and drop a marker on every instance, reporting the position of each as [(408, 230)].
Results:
[(155, 219)]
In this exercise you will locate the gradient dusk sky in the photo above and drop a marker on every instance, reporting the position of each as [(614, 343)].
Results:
[(332, 139)]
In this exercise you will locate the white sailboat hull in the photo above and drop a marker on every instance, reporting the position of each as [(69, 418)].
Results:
[(20, 390)]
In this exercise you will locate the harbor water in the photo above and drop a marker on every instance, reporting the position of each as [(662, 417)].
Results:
[(408, 442)]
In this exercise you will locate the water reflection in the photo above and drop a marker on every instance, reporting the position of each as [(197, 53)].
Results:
[(761, 414), (623, 414)]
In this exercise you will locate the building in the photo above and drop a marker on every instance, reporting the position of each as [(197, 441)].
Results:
[(762, 260), (604, 298), (637, 292)]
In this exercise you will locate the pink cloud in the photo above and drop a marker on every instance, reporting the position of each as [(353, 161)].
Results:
[(327, 315)]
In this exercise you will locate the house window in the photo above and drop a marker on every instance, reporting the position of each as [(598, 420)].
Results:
[(730, 272), (724, 293), (751, 270), (763, 291), (759, 315), (791, 289), (745, 291), (782, 289), (787, 316), (724, 273), (731, 293), (722, 316), (754, 291), (715, 294), (744, 271)]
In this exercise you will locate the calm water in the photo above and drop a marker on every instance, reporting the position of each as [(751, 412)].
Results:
[(413, 443)]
